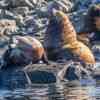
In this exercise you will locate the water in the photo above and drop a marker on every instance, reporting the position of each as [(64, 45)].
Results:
[(83, 90)]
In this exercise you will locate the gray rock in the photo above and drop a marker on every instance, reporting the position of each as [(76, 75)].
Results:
[(7, 26), (78, 20), (6, 14), (20, 10), (14, 3), (84, 4), (63, 5)]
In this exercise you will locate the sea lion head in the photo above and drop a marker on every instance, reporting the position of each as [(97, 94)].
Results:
[(59, 15)]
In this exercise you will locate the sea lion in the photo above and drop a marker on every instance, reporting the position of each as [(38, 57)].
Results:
[(53, 40), (25, 49), (69, 39)]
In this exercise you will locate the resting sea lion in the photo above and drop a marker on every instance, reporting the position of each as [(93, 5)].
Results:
[(26, 49)]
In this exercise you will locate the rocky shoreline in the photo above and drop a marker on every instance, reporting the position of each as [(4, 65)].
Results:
[(31, 17)]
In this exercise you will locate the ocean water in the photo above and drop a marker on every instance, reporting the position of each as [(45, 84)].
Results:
[(83, 90)]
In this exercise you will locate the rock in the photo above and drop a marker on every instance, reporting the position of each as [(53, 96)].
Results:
[(31, 25), (21, 77), (78, 20), (16, 77), (3, 3), (14, 3), (7, 27), (64, 5), (20, 11), (35, 26), (79, 4)]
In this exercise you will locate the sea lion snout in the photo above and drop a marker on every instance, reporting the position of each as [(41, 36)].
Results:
[(57, 14)]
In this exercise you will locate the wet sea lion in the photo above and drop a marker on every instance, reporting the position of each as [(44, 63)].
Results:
[(69, 39), (25, 49)]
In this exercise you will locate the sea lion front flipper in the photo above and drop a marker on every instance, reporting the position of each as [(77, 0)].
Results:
[(45, 59)]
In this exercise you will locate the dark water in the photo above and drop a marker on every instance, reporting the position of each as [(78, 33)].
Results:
[(84, 90)]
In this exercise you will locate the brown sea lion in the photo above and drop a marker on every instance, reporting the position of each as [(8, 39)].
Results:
[(26, 49), (70, 41)]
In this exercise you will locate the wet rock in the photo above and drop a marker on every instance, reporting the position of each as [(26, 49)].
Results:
[(74, 71), (21, 76), (12, 79), (42, 77), (6, 14), (18, 77), (71, 76)]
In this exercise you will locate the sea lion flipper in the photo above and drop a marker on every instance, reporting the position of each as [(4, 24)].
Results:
[(45, 59)]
